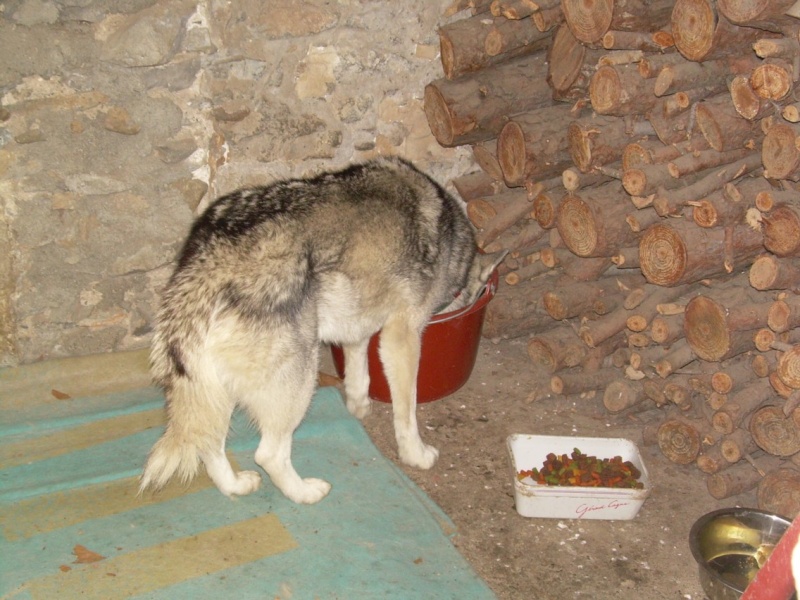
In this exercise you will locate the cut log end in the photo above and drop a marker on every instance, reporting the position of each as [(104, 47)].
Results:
[(679, 441), (576, 226), (763, 272), (706, 328), (588, 21), (605, 90), (693, 25), (782, 231), (662, 255), (439, 118), (511, 153), (779, 151)]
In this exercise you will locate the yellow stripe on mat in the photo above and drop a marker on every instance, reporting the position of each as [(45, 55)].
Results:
[(35, 516), (77, 438), (169, 563)]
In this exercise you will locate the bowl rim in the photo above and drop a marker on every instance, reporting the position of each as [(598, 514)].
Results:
[(487, 293), (697, 526)]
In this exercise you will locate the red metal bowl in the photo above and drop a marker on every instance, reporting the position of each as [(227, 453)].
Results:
[(449, 348)]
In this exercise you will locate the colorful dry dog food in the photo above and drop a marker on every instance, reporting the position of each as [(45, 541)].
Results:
[(586, 471)]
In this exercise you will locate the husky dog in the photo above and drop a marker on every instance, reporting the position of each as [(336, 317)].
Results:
[(267, 275)]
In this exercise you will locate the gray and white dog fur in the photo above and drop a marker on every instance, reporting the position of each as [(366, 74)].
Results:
[(266, 275)]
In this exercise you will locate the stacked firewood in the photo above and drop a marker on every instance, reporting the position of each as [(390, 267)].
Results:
[(639, 161)]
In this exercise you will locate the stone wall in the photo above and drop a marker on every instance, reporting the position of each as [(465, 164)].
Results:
[(121, 119)]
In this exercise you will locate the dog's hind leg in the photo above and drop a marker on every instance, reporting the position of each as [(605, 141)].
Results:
[(199, 409), (228, 481), (400, 352), (356, 379), (278, 409)]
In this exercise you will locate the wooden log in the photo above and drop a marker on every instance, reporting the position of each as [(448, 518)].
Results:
[(619, 90), (740, 406), (475, 43), (651, 64), (773, 80), (580, 269), (545, 209), (702, 34), (763, 364), (557, 349), (676, 76), (722, 127), (711, 460), (595, 141), (683, 253), (517, 9), (780, 153), (570, 66), (475, 108), (670, 202), (732, 375), (589, 21), (679, 355), (647, 152), (774, 432), (787, 47), (736, 445), (747, 103), (517, 311), (666, 329), (688, 167), (768, 197), (579, 381), (476, 185), (680, 439), (547, 19), (763, 14), (784, 314), (770, 272), (525, 272), (511, 210), (572, 180), (672, 120), (569, 299), (779, 492), (657, 41), (596, 332), (534, 145), (623, 394), (485, 155), (782, 231), (593, 224), (481, 211), (740, 478), (717, 332), (789, 367), (730, 205)]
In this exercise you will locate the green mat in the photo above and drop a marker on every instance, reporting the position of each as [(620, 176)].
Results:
[(72, 525)]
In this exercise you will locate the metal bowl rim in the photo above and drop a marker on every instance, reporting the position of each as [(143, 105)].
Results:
[(704, 520)]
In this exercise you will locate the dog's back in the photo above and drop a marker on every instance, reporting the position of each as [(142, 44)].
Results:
[(362, 241)]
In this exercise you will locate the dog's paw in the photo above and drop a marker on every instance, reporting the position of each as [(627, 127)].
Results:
[(359, 408), (312, 491), (421, 456), (245, 482)]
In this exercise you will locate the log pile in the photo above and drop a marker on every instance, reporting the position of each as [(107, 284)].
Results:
[(639, 161)]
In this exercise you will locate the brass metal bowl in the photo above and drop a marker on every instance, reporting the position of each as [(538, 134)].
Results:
[(730, 546)]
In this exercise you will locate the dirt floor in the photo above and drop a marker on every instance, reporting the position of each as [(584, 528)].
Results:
[(647, 557)]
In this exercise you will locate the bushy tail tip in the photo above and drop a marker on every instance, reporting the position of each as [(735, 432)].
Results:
[(168, 458)]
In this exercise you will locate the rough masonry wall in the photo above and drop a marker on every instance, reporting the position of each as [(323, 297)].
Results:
[(121, 119)]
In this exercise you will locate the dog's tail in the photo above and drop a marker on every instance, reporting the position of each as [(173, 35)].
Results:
[(198, 410)]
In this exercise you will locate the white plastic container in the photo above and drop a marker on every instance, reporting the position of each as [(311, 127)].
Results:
[(574, 502)]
